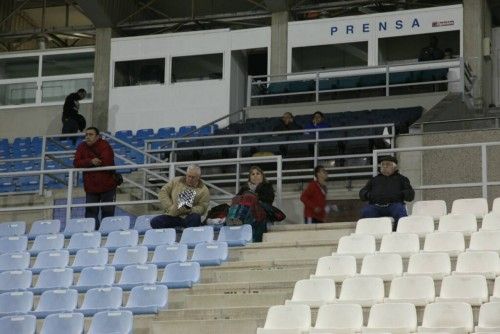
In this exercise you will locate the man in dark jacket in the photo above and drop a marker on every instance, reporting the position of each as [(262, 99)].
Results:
[(99, 186), (71, 119), (287, 123), (387, 192)]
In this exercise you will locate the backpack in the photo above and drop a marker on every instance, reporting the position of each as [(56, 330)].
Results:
[(245, 209)]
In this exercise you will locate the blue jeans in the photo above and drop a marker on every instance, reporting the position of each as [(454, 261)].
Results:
[(166, 221), (394, 210)]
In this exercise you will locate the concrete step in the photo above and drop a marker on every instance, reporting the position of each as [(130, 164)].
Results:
[(241, 326), (237, 300), (256, 274), (215, 313)]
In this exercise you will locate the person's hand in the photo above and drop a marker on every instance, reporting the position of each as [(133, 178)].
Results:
[(96, 162)]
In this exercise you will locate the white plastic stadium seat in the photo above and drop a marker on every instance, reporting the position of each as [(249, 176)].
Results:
[(485, 240), (336, 267), (435, 265), (385, 266), (374, 226), (404, 244), (418, 290), (392, 318), (489, 319), (365, 291), (420, 225), (472, 289), (495, 297), (452, 243), (357, 245), (465, 223), (480, 263), (434, 208), (313, 292), (287, 319), (495, 208), (476, 206), (491, 221), (339, 318), (447, 317)]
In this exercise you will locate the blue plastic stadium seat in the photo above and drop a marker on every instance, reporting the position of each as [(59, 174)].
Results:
[(301, 86), (50, 259), (181, 275), (15, 280), (145, 133), (399, 78), (12, 228), (166, 132), (44, 226), (210, 253), (137, 274), (56, 301), (166, 254), (95, 277), (83, 240), (236, 235), (125, 256), (117, 239), (7, 185), (11, 244), (117, 223), (100, 299), (147, 299), (28, 183), (124, 134), (372, 80), (58, 278), (63, 323), (277, 87), (347, 82), (116, 322), (15, 302), (45, 242), (18, 324), (194, 235), (156, 237), (143, 223), (75, 225), (90, 257), (185, 129), (14, 261)]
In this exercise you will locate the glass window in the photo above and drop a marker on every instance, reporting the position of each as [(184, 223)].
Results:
[(200, 67), (57, 90), (63, 64), (12, 68), (321, 57), (139, 72), (18, 93)]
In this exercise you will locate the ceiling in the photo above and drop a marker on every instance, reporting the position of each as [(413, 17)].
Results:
[(62, 23)]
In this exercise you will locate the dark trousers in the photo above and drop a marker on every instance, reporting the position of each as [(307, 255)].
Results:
[(311, 220), (166, 221), (106, 211), (394, 210)]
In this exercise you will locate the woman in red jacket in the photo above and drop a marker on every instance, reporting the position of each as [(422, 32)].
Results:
[(99, 186), (314, 197)]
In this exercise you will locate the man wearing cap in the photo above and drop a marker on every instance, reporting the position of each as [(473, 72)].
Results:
[(387, 192)]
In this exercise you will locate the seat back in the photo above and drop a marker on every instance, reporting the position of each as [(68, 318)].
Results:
[(111, 322), (357, 245), (45, 226), (362, 288), (97, 276), (8, 229), (161, 236), (403, 244), (143, 223), (396, 316), (420, 225), (412, 288), (58, 300), (117, 223), (126, 238), (180, 272), (447, 242), (165, 254), (194, 235), (83, 240), (496, 289), (45, 242), (14, 261), (102, 298), (464, 222), (214, 250), (51, 259), (434, 208), (374, 226), (19, 324), (485, 240), (79, 225), (16, 302), (341, 317), (382, 265), (488, 316), (322, 289), (491, 221), (139, 274), (55, 278), (450, 315), (130, 255), (91, 257), (294, 316), (478, 263), (464, 286), (63, 323), (476, 206), (15, 243), (15, 280), (148, 295), (436, 265), (236, 235), (339, 265)]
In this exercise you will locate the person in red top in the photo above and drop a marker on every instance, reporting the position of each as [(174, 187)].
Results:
[(314, 197), (99, 186)]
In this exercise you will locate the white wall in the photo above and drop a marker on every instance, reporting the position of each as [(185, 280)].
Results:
[(495, 57), (180, 103)]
